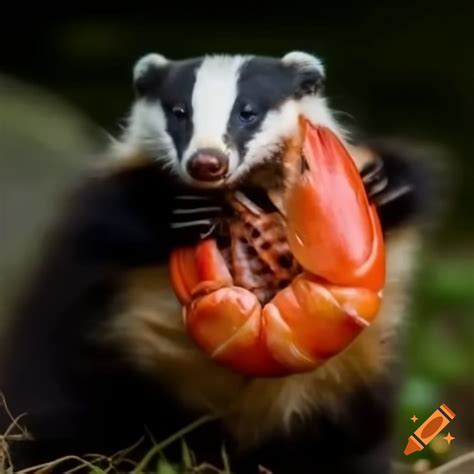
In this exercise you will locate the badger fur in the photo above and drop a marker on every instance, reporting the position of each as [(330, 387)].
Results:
[(95, 354)]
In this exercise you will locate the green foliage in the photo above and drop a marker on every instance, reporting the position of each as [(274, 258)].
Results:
[(439, 345), (164, 467)]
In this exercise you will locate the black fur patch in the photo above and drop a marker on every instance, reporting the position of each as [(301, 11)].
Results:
[(78, 394), (172, 84), (409, 192), (355, 441), (263, 84)]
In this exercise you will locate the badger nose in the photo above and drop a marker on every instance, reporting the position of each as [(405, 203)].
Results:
[(208, 165)]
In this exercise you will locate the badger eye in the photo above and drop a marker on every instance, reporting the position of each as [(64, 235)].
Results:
[(179, 112), (247, 114)]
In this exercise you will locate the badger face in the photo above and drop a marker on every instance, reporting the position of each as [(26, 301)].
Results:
[(215, 118)]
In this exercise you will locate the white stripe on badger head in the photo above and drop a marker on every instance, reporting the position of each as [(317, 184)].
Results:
[(214, 94)]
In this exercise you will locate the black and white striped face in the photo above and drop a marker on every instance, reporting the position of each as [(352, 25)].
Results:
[(213, 118)]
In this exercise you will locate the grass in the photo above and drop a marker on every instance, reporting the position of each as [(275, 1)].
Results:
[(153, 462)]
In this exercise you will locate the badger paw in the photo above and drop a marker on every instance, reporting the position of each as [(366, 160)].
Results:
[(195, 217), (389, 187)]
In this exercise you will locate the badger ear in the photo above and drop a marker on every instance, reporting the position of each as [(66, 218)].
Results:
[(309, 71), (147, 73)]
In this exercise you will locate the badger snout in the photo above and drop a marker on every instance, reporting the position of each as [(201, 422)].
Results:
[(208, 164)]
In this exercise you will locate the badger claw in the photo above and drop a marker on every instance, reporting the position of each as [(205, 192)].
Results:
[(380, 190), (374, 178), (194, 217)]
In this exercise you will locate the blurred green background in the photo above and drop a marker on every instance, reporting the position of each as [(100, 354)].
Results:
[(402, 70)]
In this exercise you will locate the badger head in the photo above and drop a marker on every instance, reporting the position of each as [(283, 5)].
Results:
[(214, 119)]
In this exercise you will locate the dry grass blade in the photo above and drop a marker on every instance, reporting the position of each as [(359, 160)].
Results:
[(91, 462), (207, 469), (225, 460), (6, 465), (44, 468)]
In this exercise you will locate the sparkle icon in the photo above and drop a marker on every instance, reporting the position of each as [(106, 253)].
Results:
[(414, 418), (449, 438)]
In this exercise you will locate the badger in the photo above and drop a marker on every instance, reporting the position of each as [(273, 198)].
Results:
[(95, 356)]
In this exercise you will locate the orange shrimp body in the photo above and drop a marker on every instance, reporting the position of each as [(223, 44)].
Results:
[(297, 286)]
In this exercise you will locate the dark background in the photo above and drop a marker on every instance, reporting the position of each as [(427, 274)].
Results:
[(401, 69)]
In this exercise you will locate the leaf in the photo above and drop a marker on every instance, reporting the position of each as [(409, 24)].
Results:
[(186, 455), (164, 467), (97, 470)]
